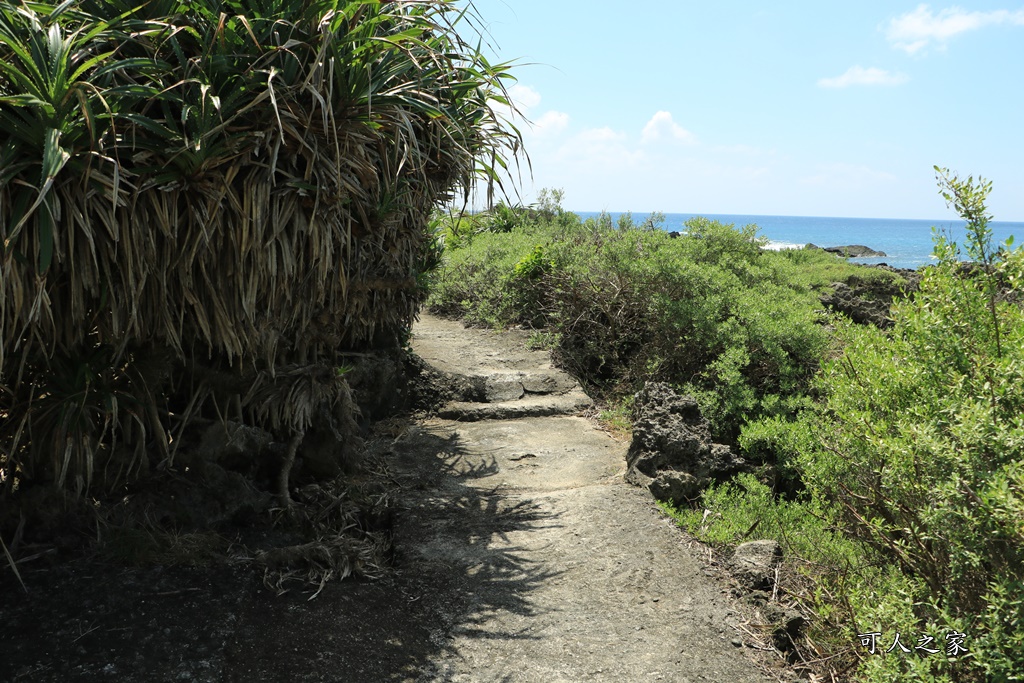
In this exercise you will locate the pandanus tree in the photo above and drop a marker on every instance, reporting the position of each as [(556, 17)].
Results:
[(207, 200)]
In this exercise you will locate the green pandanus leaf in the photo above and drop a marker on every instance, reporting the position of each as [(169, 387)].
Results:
[(270, 218), (55, 158)]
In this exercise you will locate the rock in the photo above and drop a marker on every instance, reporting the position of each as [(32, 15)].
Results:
[(670, 435), (789, 625), (855, 251), (503, 388), (758, 598), (325, 455), (867, 300), (753, 563), (540, 405), (206, 496), (548, 382), (861, 310), (675, 487)]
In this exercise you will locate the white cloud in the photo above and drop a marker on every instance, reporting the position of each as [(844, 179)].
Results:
[(662, 127), (596, 150), (524, 97), (858, 75), (914, 31), (524, 100), (744, 150), (550, 123), (604, 134)]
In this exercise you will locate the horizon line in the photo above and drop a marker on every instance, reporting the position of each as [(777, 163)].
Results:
[(781, 215)]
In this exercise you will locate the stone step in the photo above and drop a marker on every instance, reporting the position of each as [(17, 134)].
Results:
[(480, 366), (531, 405), (507, 386)]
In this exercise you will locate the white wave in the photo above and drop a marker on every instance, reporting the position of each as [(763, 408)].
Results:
[(775, 245)]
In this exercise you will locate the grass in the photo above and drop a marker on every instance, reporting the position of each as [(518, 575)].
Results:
[(541, 340), (826, 574), (818, 269), (617, 418)]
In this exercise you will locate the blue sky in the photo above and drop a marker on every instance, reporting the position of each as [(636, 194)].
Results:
[(784, 108)]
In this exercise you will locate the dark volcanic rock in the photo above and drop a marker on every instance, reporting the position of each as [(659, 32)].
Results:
[(788, 625), (380, 383), (326, 452), (855, 251), (867, 300), (671, 452), (675, 487), (233, 446), (861, 310)]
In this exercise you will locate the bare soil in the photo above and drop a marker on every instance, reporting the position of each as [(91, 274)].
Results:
[(520, 555)]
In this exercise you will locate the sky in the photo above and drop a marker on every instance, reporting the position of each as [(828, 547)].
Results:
[(782, 108)]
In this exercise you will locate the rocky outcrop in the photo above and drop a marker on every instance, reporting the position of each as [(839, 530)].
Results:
[(855, 251), (380, 383), (850, 251), (671, 452), (867, 300), (675, 486), (788, 625), (861, 310), (754, 565)]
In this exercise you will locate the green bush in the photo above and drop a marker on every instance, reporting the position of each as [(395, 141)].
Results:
[(912, 519), (733, 511), (477, 280), (922, 442), (821, 564), (900, 463), (710, 311), (780, 441)]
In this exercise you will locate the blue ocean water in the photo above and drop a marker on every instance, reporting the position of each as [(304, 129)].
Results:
[(906, 243)]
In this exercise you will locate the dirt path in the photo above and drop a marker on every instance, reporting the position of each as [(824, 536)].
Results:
[(568, 573), (521, 556)]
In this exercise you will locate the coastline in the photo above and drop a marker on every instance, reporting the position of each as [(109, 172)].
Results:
[(907, 243)]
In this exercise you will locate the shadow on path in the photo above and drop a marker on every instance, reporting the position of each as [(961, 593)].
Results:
[(456, 567)]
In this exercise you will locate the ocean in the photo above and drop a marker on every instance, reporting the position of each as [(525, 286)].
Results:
[(907, 243)]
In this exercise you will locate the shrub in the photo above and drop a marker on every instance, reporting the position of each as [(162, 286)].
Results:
[(709, 311), (223, 186), (922, 445)]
